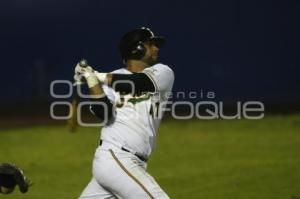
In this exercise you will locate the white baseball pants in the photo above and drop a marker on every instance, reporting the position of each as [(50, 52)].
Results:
[(120, 174)]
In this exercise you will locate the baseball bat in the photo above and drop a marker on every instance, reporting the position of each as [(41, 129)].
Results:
[(72, 122)]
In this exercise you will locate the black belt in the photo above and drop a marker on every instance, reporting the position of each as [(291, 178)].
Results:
[(123, 149)]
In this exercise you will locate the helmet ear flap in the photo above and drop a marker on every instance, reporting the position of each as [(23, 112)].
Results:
[(139, 51)]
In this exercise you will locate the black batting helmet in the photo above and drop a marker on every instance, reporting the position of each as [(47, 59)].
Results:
[(131, 45)]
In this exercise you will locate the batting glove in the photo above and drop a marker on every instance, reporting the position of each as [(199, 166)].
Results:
[(84, 71), (88, 74)]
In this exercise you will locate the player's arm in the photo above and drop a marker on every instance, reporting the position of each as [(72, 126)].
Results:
[(104, 109), (142, 83), (156, 78), (120, 82)]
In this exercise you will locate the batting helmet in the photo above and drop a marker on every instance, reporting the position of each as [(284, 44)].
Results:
[(131, 45)]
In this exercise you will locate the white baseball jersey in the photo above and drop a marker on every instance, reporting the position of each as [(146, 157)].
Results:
[(136, 123)]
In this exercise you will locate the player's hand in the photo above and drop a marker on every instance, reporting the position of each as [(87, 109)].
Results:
[(88, 74), (84, 71), (78, 80)]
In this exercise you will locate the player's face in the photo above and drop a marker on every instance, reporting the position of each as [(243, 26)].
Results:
[(151, 54)]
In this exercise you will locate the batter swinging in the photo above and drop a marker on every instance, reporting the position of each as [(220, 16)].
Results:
[(129, 102)]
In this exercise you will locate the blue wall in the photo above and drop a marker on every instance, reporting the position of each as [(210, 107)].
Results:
[(241, 50)]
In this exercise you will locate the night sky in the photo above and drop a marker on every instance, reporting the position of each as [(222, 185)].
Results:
[(241, 50)]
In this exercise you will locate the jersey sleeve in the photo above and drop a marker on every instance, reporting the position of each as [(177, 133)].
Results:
[(162, 77)]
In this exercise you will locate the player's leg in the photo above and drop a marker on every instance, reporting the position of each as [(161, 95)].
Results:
[(95, 191), (125, 176), (135, 169)]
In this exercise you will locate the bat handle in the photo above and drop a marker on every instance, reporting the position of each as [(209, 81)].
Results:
[(83, 63)]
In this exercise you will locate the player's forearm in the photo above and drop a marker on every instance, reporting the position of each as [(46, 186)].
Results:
[(95, 89), (109, 79), (96, 92)]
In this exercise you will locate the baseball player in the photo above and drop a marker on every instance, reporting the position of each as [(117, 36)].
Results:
[(129, 101)]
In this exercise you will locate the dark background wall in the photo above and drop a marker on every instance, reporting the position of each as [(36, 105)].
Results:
[(241, 50)]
